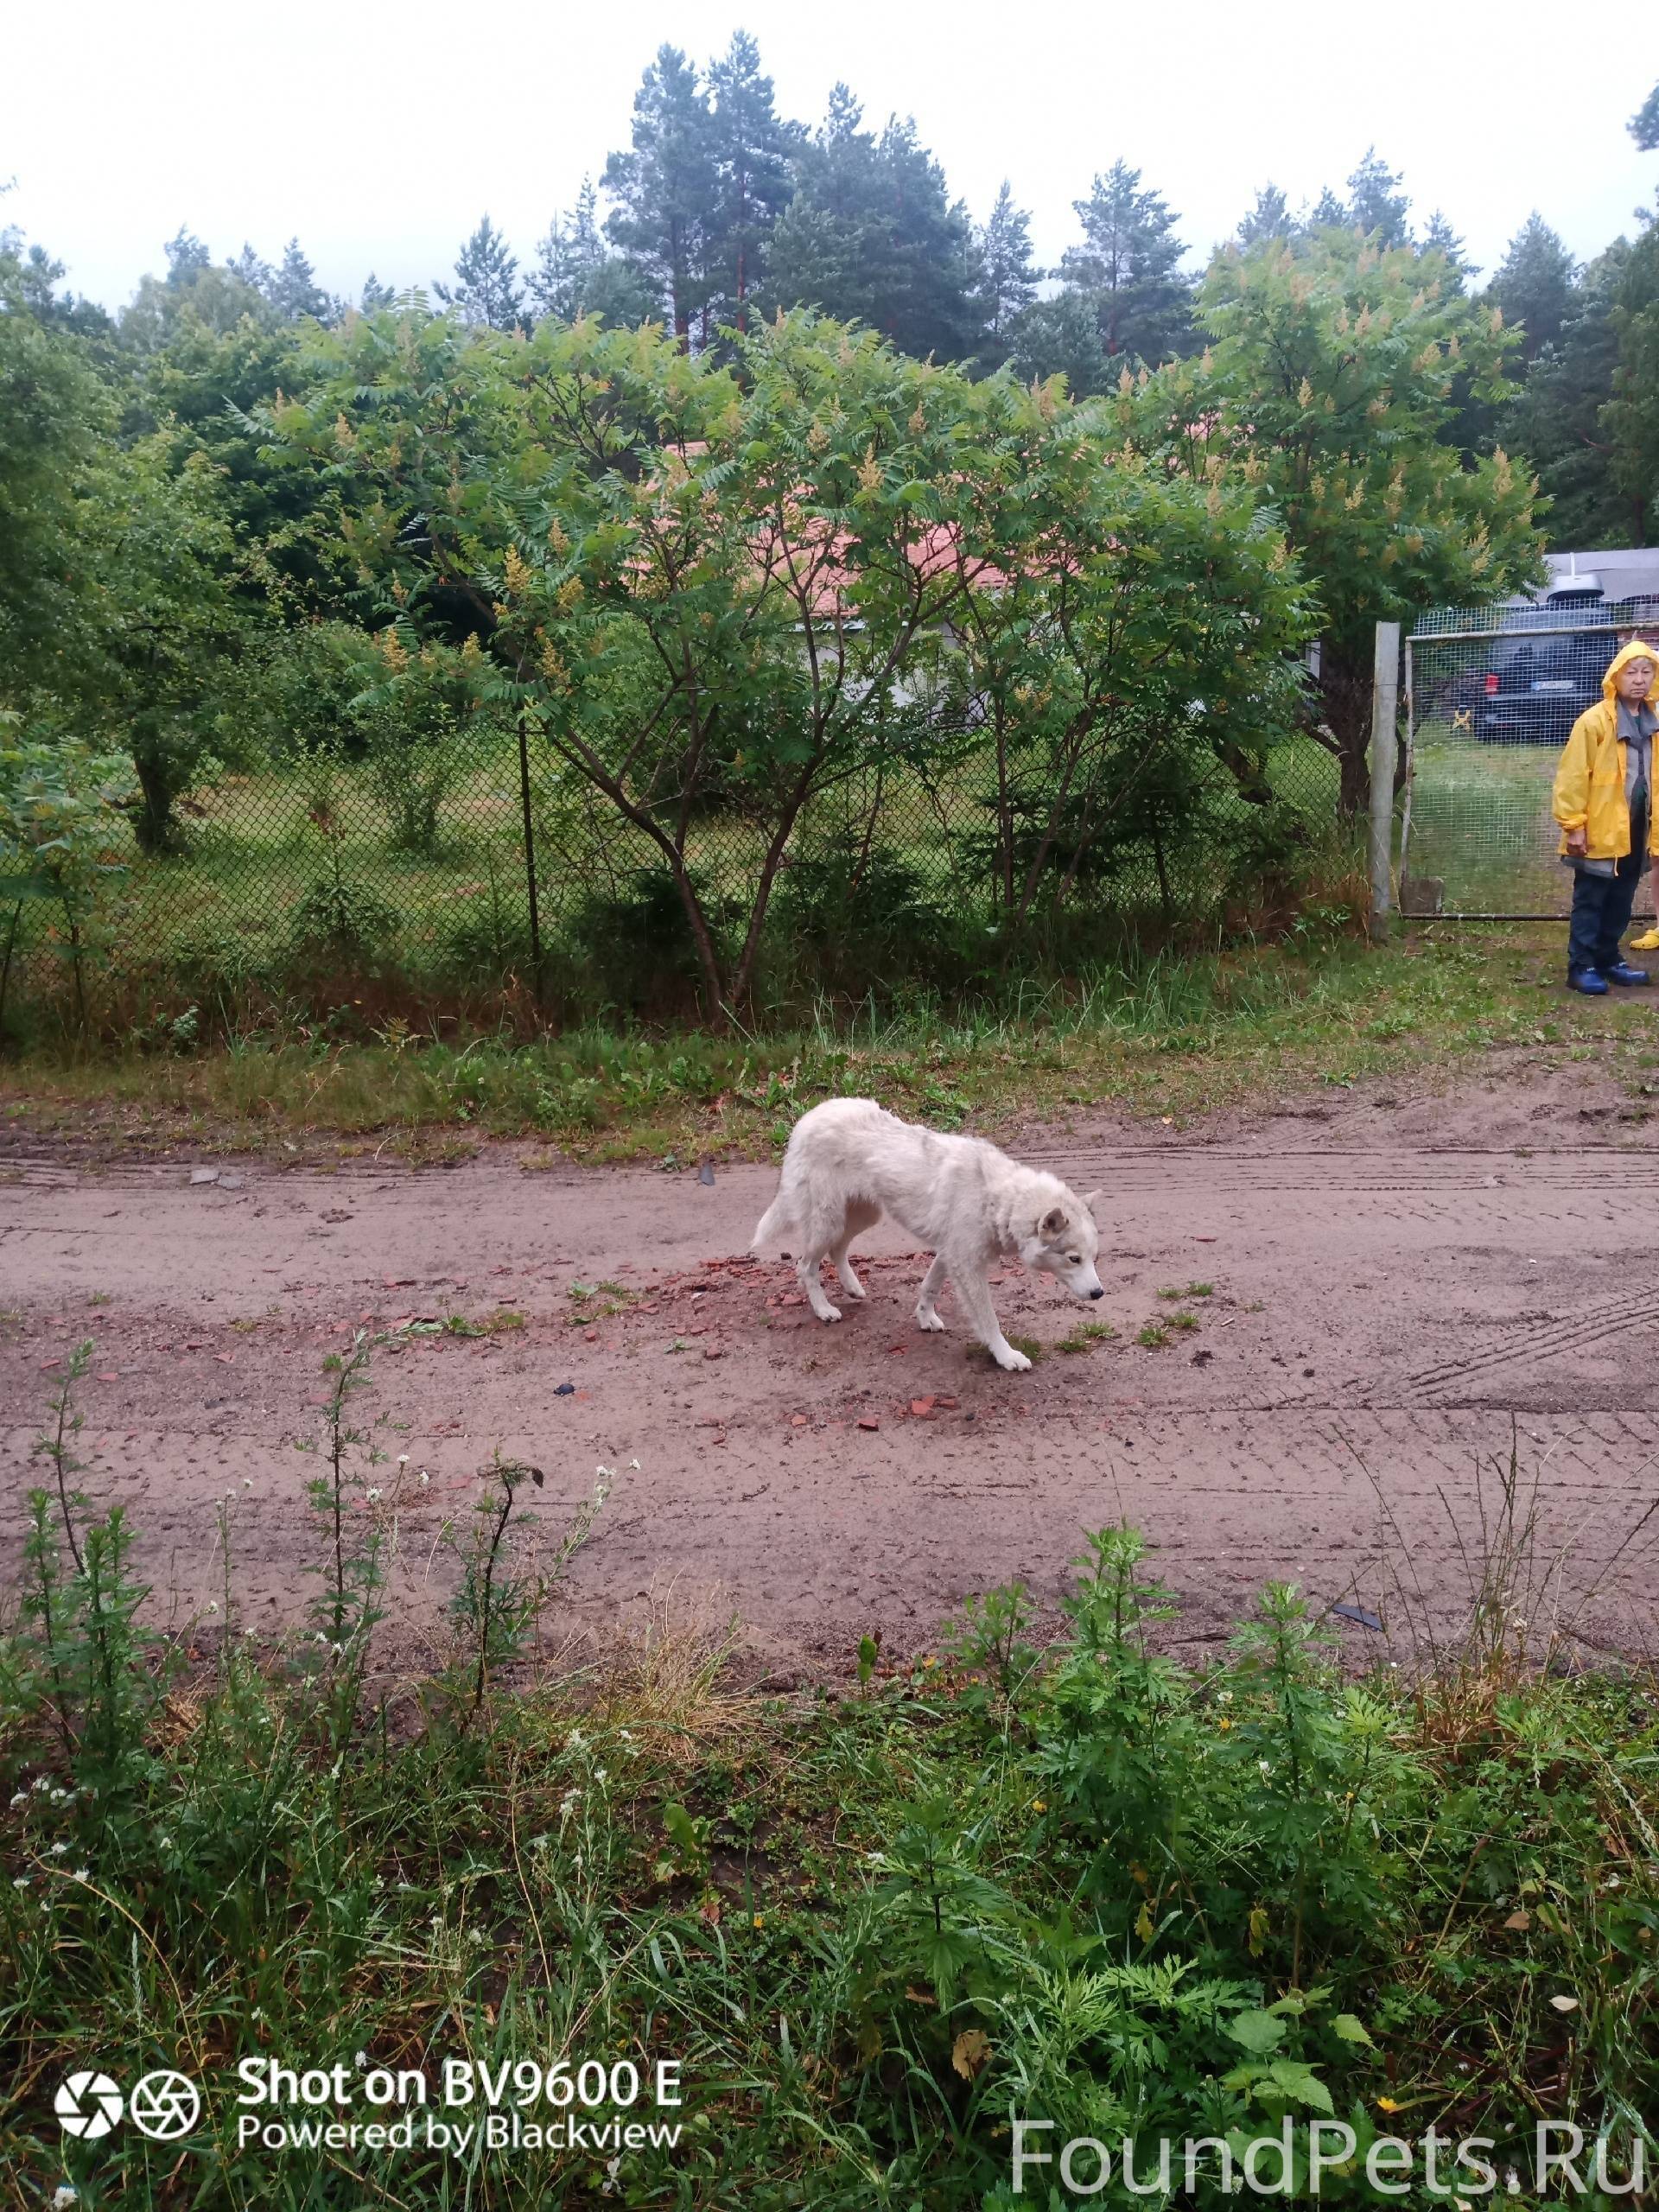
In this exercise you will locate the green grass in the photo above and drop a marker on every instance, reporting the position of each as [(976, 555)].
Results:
[(1481, 821), (1162, 1038), (1086, 1884), (1086, 1336)]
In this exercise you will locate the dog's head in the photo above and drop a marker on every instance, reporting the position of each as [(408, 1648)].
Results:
[(1064, 1242)]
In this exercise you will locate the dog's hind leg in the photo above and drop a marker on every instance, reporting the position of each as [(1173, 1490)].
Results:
[(820, 1235), (932, 1284), (860, 1215), (974, 1296)]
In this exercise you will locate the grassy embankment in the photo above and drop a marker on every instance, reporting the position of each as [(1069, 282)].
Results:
[(1167, 1037)]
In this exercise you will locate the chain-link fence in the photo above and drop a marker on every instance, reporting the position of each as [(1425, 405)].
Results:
[(456, 867), (1492, 693)]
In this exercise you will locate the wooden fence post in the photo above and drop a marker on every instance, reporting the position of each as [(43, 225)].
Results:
[(1385, 703)]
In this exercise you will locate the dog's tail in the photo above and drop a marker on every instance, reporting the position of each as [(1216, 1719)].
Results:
[(775, 1225)]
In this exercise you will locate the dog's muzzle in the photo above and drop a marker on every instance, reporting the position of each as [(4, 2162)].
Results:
[(1097, 1293)]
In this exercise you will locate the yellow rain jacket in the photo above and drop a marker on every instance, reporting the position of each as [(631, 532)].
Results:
[(1590, 781)]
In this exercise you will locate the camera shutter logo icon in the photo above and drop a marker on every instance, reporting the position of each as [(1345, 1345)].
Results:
[(87, 2104), (164, 2104)]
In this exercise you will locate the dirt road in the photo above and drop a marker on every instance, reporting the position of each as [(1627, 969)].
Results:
[(1391, 1279)]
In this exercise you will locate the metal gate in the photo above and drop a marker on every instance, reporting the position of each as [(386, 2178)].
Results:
[(1491, 695)]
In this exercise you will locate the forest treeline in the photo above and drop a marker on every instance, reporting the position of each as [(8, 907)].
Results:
[(721, 209)]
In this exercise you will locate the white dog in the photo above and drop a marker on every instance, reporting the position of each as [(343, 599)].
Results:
[(848, 1162)]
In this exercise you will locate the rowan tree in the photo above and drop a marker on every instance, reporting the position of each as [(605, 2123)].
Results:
[(1332, 372)]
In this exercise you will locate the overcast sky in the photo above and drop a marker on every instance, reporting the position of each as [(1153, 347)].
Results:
[(380, 135)]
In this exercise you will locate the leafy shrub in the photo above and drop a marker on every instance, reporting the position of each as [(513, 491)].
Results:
[(62, 835), (421, 723), (849, 920), (341, 920), (634, 947), (298, 693)]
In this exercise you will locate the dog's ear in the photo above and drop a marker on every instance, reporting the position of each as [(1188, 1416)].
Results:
[(1091, 1200), (1051, 1224)]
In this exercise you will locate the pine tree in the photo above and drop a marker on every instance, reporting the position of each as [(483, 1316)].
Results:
[(1061, 337), (566, 259), (1006, 280), (753, 183), (667, 192), (186, 257), (1375, 203), (577, 274), (872, 237), (249, 270), (1556, 422), (1129, 266), (487, 290), (1644, 123), (1535, 284), (293, 290), (1630, 418), (1439, 236), (375, 295), (1270, 218), (1327, 213)]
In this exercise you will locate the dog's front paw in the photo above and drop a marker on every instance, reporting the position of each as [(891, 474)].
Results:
[(1014, 1362), (829, 1313), (928, 1320)]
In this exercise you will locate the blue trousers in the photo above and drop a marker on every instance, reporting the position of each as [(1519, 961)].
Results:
[(1601, 914)]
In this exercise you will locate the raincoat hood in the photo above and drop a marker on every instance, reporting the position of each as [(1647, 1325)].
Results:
[(1634, 650)]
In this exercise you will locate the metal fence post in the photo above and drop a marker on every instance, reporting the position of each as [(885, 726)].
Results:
[(1385, 700)]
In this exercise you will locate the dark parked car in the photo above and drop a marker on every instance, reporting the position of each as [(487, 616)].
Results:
[(1539, 685)]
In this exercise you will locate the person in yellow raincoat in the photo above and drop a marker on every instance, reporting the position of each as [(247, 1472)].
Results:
[(1609, 829)]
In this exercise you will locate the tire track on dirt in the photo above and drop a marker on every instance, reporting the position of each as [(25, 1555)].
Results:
[(1536, 1340), (1305, 1171)]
